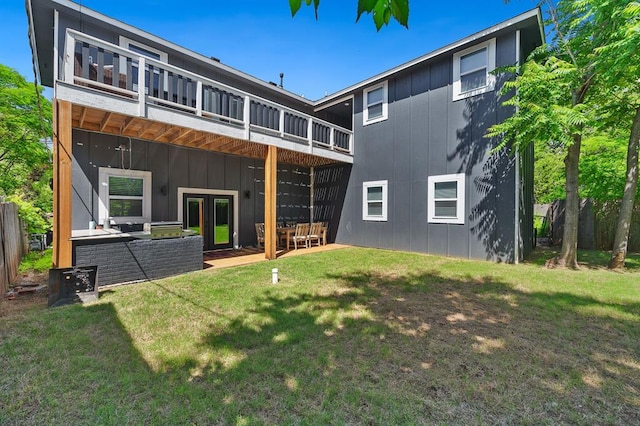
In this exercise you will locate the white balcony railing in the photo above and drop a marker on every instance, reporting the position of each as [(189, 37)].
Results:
[(103, 66)]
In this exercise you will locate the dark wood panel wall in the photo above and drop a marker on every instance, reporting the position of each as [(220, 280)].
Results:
[(174, 167)]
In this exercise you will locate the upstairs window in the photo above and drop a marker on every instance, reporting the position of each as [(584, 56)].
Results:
[(149, 52), (472, 70), (445, 199), (375, 104), (125, 195), (374, 200), (143, 49)]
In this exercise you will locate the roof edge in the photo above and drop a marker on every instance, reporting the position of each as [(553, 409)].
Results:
[(32, 42), (319, 104), (79, 8)]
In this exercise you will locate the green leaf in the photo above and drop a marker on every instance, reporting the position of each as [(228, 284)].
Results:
[(294, 5), (365, 6), (379, 12), (400, 11)]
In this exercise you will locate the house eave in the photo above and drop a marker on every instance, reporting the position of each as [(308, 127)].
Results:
[(32, 41), (83, 10), (530, 14)]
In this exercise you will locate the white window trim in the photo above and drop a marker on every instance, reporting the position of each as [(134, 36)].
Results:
[(385, 104), (103, 194), (490, 45), (125, 42), (365, 202), (164, 58), (459, 178)]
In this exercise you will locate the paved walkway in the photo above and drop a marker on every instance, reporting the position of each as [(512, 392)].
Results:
[(245, 256)]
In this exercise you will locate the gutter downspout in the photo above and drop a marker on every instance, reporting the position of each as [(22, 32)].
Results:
[(516, 219)]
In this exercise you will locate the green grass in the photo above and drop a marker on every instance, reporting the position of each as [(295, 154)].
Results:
[(349, 336), (36, 261), (221, 234)]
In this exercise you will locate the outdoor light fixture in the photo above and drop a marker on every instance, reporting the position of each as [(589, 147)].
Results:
[(247, 194)]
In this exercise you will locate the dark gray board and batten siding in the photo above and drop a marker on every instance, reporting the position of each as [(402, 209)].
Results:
[(173, 167), (427, 133)]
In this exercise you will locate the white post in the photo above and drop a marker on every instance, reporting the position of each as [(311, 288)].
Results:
[(310, 134), (281, 124), (246, 117), (332, 137), (56, 28), (199, 98), (141, 87), (68, 58)]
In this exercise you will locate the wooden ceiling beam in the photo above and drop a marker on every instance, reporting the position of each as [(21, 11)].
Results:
[(105, 121), (211, 140), (94, 119), (183, 133), (126, 124), (169, 130), (145, 128), (83, 116)]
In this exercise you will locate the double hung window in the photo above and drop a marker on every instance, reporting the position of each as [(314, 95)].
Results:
[(472, 70), (125, 195), (375, 104), (374, 200), (445, 199)]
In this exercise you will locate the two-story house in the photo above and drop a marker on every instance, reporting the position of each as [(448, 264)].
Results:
[(147, 131)]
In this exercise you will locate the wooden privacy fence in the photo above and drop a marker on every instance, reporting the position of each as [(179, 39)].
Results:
[(596, 225), (12, 245)]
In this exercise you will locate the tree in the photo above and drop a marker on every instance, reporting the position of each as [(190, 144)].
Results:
[(618, 70), (382, 10), (561, 89), (549, 102), (25, 163)]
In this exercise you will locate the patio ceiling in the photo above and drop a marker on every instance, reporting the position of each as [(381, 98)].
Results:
[(97, 120)]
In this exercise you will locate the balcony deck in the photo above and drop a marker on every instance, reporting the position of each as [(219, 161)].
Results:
[(175, 106)]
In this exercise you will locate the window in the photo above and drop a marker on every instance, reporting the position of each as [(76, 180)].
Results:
[(125, 195), (147, 51), (445, 199), (374, 200), (143, 50), (472, 70), (375, 104)]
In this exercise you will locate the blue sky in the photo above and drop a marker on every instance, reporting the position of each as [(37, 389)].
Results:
[(259, 37)]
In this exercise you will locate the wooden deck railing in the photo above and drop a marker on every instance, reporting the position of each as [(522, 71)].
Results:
[(103, 66)]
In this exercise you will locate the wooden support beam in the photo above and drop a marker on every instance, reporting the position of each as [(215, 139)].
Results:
[(105, 121), (62, 185), (169, 131), (183, 134), (127, 122), (270, 191), (83, 116), (163, 129), (145, 129), (211, 139)]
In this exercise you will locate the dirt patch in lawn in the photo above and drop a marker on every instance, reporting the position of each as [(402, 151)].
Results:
[(32, 296)]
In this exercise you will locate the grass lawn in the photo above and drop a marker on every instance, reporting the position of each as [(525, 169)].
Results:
[(347, 336)]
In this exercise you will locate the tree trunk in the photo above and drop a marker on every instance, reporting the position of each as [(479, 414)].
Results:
[(621, 239), (569, 252)]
